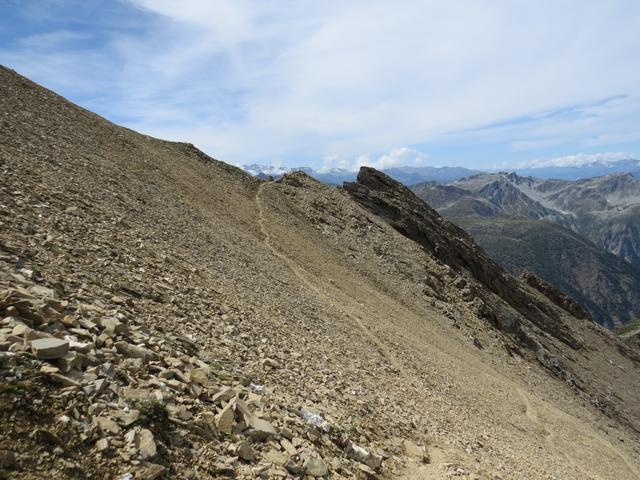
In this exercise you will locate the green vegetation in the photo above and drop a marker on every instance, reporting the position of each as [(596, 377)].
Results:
[(14, 388), (627, 328), (151, 412)]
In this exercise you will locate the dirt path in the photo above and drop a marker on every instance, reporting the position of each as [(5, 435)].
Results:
[(354, 306), (311, 285), (440, 455), (553, 440)]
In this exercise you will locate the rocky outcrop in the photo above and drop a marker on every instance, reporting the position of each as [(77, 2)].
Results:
[(556, 295), (511, 308)]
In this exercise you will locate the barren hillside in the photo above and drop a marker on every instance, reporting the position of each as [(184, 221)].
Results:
[(165, 315)]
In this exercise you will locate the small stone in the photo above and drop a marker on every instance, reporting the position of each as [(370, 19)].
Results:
[(43, 292), (81, 332), (81, 347), (49, 369), (151, 471), (102, 444), (225, 420), (288, 446), (223, 395), (133, 364), (18, 347), (64, 419), (199, 376), (182, 413), (294, 468), (69, 321), (276, 457), (21, 330), (69, 361), (127, 418), (49, 348), (133, 394), (145, 444), (134, 351), (224, 469), (112, 326), (260, 429), (100, 385), (245, 452), (271, 363), (363, 456), (187, 342), (315, 466), (62, 380), (107, 425)]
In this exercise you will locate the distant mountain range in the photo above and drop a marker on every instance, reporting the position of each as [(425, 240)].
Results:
[(596, 168), (412, 175), (337, 176), (582, 236)]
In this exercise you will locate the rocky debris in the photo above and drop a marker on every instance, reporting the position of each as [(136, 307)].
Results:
[(554, 294), (259, 429), (363, 456), (145, 444), (135, 351), (102, 444), (133, 398), (107, 425), (245, 452), (49, 348), (314, 465), (150, 471), (225, 419), (112, 326)]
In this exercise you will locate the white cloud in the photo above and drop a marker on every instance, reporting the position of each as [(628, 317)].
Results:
[(53, 39), (397, 157), (331, 162), (248, 80), (578, 160)]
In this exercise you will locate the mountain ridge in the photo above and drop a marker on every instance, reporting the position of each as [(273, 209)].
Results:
[(547, 227), (410, 175)]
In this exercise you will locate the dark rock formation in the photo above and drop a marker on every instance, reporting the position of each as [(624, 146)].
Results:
[(410, 216)]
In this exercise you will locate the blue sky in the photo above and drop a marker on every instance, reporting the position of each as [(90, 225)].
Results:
[(335, 83)]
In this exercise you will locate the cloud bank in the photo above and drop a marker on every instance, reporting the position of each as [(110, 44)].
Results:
[(292, 81), (578, 160)]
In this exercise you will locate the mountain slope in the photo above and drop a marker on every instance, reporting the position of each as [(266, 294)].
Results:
[(605, 210), (607, 286), (221, 326), (511, 217)]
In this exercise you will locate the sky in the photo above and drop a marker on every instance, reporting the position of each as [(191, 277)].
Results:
[(334, 83)]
